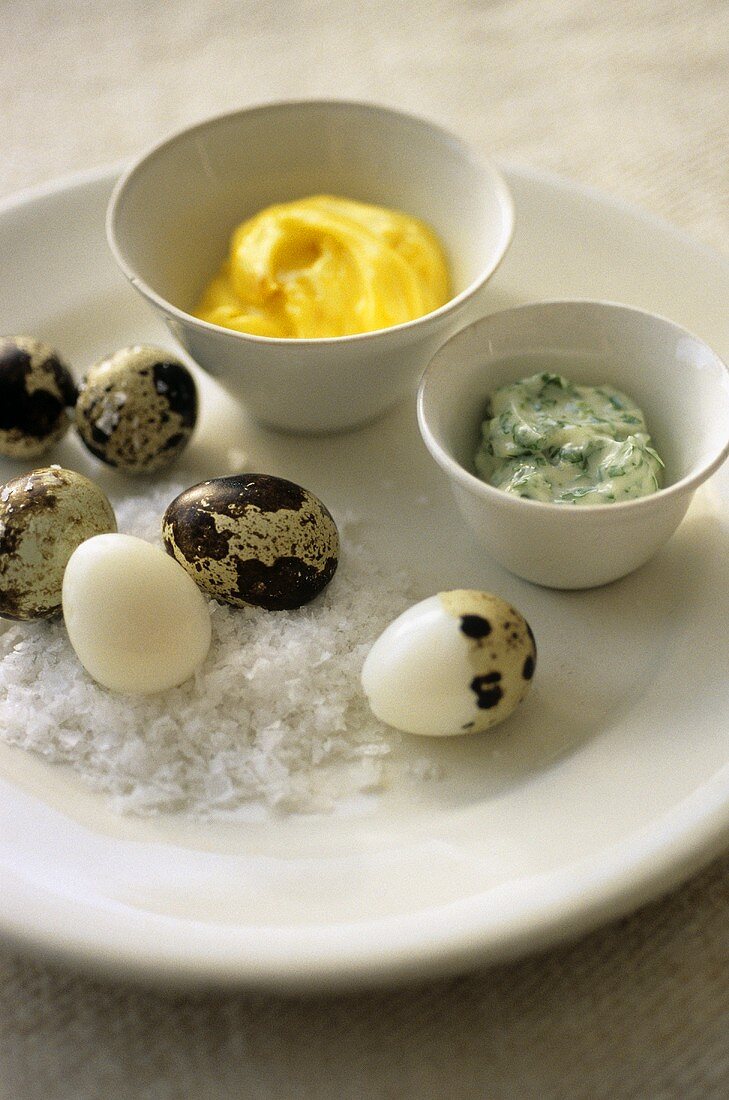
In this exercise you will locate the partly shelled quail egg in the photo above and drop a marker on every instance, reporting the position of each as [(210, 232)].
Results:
[(44, 516), (135, 619), (137, 408), (458, 662), (253, 539), (36, 393)]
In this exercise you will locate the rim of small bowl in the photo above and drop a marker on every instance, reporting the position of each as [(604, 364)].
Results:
[(501, 189), (688, 483)]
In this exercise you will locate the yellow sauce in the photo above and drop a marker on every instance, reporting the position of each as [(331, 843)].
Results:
[(326, 266)]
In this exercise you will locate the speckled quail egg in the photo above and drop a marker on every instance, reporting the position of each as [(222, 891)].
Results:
[(458, 662), (135, 619), (253, 539), (36, 393), (44, 516), (137, 408)]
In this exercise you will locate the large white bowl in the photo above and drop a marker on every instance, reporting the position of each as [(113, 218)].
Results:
[(680, 384), (172, 213)]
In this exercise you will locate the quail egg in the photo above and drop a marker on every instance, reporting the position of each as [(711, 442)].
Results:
[(44, 516), (36, 393), (457, 662), (135, 619), (137, 408), (253, 539)]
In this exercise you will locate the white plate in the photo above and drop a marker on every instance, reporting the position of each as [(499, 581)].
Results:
[(612, 786)]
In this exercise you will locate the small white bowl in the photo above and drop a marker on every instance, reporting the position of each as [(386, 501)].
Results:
[(171, 216), (678, 382)]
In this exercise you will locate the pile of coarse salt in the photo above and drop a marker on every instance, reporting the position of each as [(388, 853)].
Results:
[(275, 718)]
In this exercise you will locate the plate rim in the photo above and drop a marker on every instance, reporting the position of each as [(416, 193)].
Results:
[(649, 874)]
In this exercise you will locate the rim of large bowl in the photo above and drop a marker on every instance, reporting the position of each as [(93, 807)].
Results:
[(501, 190), (473, 483)]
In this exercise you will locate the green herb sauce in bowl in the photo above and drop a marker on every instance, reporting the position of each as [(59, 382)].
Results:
[(546, 438)]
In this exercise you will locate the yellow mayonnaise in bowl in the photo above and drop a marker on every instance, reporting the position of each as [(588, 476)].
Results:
[(312, 256), (325, 266)]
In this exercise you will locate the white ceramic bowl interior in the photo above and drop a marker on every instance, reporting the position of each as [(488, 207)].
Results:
[(172, 214), (679, 382)]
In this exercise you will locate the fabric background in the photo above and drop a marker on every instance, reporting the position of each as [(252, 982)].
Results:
[(630, 96)]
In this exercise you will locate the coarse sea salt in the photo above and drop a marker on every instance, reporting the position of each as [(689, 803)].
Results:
[(274, 720)]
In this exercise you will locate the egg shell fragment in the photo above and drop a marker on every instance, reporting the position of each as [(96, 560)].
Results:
[(253, 539), (37, 392), (137, 408), (458, 662), (137, 622), (44, 516)]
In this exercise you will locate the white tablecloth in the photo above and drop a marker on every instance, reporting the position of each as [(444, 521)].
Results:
[(631, 96)]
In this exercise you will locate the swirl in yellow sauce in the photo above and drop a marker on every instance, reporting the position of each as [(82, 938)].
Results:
[(325, 266)]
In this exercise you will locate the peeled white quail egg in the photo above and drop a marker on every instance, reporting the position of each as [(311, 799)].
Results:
[(458, 662), (137, 621)]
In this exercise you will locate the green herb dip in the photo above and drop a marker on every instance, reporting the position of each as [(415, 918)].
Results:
[(547, 439)]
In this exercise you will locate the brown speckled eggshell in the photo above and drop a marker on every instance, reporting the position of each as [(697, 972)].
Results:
[(44, 516), (37, 393), (502, 653), (137, 408), (253, 539)]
